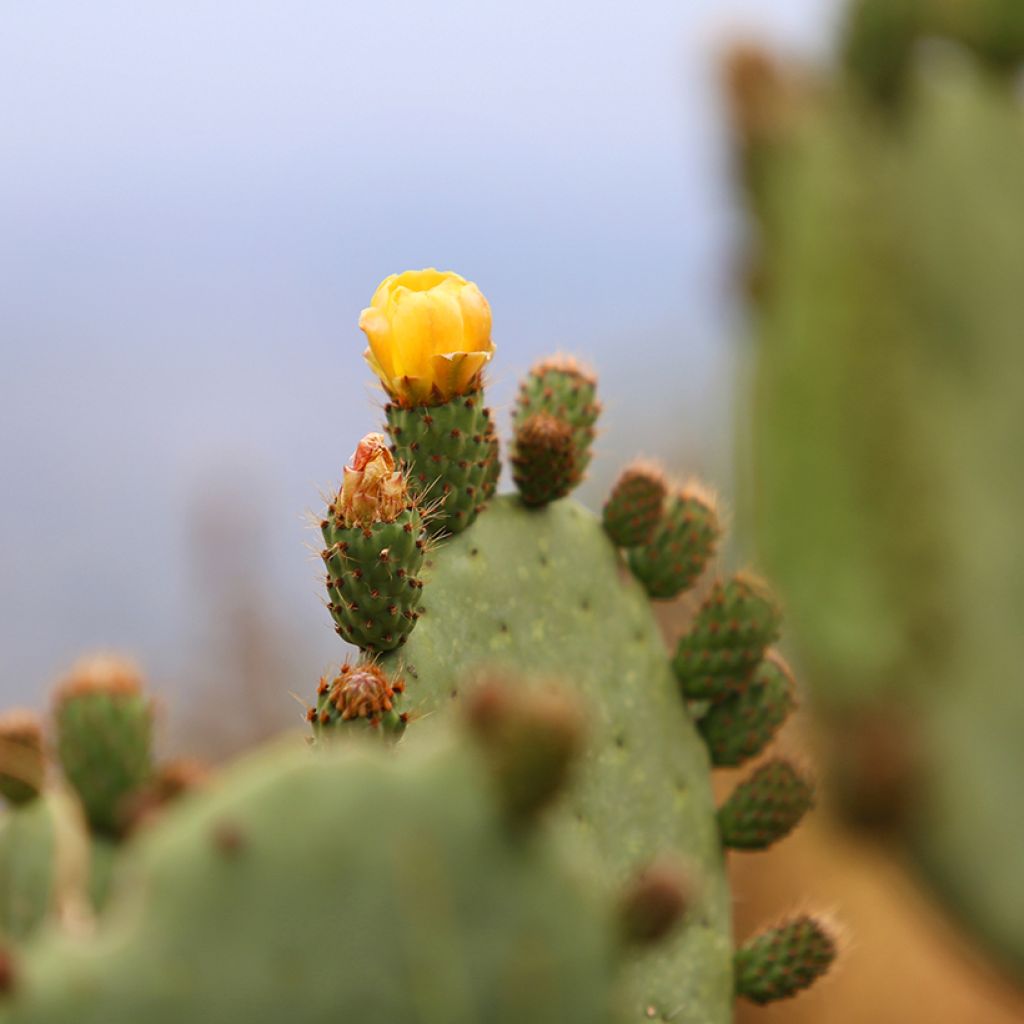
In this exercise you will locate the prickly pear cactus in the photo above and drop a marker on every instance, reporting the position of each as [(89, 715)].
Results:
[(43, 847), (349, 884), (886, 431), (536, 586)]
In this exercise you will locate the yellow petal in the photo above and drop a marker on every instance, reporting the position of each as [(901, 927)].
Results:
[(476, 319), (377, 328), (455, 373), (423, 324), (424, 280), (383, 292)]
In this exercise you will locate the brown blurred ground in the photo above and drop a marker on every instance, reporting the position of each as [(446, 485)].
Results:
[(903, 960)]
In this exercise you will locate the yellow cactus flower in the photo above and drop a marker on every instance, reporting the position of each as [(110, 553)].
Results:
[(430, 336), (372, 491)]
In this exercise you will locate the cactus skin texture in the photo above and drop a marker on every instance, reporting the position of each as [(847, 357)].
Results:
[(633, 509), (766, 807), (741, 726), (782, 961), (400, 873), (727, 640), (372, 579), (884, 439), (451, 454), (680, 547)]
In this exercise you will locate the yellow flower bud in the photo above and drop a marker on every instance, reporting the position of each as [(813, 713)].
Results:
[(430, 336), (372, 491)]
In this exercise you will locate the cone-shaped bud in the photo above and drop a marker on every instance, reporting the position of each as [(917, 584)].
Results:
[(359, 698), (655, 902), (544, 459), (765, 807), (451, 454), (741, 726), (375, 540), (782, 961), (681, 545), (633, 509), (22, 761), (530, 739), (561, 387), (104, 738), (721, 651)]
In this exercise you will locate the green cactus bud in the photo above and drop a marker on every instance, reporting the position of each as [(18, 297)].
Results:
[(104, 738), (375, 541), (22, 763), (785, 960), (544, 459), (633, 509), (682, 543), (655, 902), (451, 454), (530, 739), (360, 697), (741, 726), (721, 651), (765, 807), (561, 387)]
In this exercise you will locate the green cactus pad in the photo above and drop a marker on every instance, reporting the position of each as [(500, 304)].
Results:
[(681, 546), (766, 807), (562, 388), (450, 452), (359, 698), (741, 726), (541, 592), (372, 579), (544, 459), (104, 741), (782, 961), (725, 643), (349, 886), (633, 509), (44, 858)]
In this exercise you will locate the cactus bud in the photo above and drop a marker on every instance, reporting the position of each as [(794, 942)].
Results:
[(22, 763), (765, 807), (544, 459), (530, 739), (654, 903), (104, 737), (784, 960), (681, 545), (375, 541), (728, 638), (360, 695), (561, 387), (742, 725), (633, 509)]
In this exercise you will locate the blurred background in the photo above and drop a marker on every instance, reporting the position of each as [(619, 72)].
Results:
[(196, 201)]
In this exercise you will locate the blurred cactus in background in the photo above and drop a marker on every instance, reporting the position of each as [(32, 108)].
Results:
[(882, 468)]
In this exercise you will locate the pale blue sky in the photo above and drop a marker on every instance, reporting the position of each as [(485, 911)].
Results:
[(196, 199)]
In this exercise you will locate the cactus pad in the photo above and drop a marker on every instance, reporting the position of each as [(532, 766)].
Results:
[(764, 808), (680, 547), (782, 961), (351, 886), (542, 592), (633, 509)]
